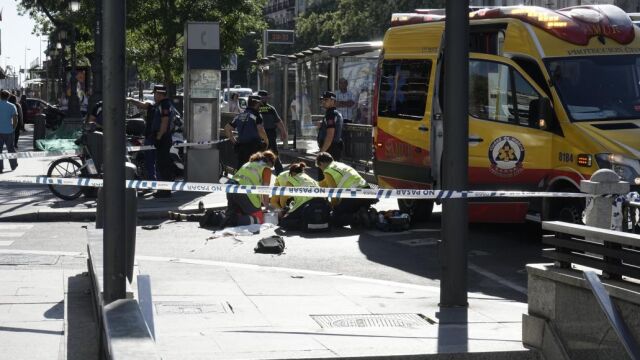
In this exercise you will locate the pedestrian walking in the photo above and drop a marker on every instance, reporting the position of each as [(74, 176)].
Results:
[(330, 131), (272, 121), (14, 100), (251, 137), (8, 122)]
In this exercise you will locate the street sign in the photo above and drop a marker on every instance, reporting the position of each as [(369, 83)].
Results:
[(280, 37), (233, 63)]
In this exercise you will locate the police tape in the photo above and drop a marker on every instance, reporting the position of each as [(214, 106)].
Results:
[(54, 153), (200, 143), (333, 193)]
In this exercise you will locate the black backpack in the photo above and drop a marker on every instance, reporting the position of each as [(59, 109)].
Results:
[(316, 216), (270, 245)]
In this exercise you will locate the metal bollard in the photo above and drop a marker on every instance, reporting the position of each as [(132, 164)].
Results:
[(39, 129), (131, 219)]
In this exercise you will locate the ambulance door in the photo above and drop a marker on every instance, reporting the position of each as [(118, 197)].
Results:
[(507, 148), (402, 141)]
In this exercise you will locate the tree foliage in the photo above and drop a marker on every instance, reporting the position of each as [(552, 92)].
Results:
[(338, 21), (155, 29)]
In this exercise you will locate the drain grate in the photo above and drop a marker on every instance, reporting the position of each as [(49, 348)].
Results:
[(28, 259), (373, 320), (185, 307)]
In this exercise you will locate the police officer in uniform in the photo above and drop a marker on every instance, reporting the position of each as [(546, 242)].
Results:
[(252, 137), (340, 175), (272, 121), (158, 133), (330, 132)]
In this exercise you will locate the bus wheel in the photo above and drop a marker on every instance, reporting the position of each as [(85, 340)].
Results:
[(419, 210)]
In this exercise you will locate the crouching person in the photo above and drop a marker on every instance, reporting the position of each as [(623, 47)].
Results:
[(338, 175), (301, 212), (246, 209)]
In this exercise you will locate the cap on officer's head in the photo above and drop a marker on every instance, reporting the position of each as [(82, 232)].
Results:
[(328, 95), (160, 89), (254, 99), (263, 93)]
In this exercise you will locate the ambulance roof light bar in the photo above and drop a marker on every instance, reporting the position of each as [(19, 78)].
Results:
[(576, 25)]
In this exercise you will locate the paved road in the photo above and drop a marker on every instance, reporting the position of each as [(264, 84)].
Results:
[(497, 253)]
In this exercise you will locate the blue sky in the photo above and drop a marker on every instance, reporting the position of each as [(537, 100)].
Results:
[(16, 36)]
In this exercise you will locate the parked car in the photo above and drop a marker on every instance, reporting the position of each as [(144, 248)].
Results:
[(34, 108)]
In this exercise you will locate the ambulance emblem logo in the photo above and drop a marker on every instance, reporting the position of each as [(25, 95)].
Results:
[(506, 154)]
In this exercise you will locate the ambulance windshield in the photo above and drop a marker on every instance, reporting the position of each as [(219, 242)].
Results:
[(598, 87)]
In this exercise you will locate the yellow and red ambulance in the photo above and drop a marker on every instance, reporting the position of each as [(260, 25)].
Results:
[(554, 95)]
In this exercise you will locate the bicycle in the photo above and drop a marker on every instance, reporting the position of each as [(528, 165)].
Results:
[(84, 164)]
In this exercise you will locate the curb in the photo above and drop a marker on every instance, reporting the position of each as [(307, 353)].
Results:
[(90, 214)]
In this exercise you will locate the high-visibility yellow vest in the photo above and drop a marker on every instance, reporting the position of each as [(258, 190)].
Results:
[(281, 180), (301, 180), (345, 176), (251, 174)]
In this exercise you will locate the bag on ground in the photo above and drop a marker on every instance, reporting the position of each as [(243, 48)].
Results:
[(270, 245)]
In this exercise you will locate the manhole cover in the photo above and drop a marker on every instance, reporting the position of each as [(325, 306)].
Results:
[(373, 320), (27, 259), (185, 307)]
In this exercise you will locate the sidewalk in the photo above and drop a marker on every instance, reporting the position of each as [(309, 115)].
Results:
[(45, 307), (26, 202), (209, 309)]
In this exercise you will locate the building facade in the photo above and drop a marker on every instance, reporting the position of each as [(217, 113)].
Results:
[(282, 14)]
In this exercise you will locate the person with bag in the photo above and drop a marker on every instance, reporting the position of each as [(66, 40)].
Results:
[(297, 214), (14, 100), (246, 209), (338, 175), (251, 134)]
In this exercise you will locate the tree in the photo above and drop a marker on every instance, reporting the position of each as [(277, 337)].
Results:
[(155, 35), (155, 29), (339, 21)]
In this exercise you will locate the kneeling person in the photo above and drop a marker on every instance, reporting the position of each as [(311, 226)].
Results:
[(338, 175), (302, 212)]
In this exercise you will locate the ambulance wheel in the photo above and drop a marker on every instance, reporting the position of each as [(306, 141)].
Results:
[(568, 210), (419, 210)]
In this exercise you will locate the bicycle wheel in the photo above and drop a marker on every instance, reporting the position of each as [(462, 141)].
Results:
[(65, 168)]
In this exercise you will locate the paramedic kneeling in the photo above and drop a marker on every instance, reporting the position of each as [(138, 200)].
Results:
[(300, 212), (339, 175), (246, 209)]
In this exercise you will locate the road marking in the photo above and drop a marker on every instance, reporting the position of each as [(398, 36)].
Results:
[(41, 252), (498, 279), (5, 243), (15, 227), (419, 242), (11, 235)]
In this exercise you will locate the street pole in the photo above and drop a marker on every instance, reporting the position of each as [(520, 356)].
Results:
[(73, 111), (455, 232), (96, 66), (24, 69), (115, 253)]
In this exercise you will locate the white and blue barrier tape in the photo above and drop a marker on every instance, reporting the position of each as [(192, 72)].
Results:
[(334, 193), (55, 153)]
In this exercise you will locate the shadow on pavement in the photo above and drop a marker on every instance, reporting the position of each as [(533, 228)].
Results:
[(82, 334), (497, 256), (56, 311), (456, 336)]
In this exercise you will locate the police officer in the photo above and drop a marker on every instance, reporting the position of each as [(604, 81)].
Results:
[(252, 137), (272, 121), (339, 175), (158, 133), (330, 132)]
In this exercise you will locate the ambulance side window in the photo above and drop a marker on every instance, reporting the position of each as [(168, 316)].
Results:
[(499, 93), (403, 88)]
